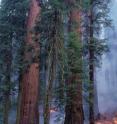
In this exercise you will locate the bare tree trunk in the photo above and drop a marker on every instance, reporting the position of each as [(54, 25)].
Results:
[(6, 107), (19, 103), (52, 59), (7, 90), (74, 107), (91, 69), (30, 77), (48, 96)]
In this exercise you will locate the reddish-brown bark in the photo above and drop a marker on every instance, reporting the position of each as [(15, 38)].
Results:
[(30, 76), (74, 107)]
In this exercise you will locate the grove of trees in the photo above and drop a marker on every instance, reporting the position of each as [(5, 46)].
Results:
[(48, 53)]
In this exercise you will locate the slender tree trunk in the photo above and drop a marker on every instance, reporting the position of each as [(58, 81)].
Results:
[(91, 69), (52, 58), (48, 96), (19, 103), (74, 107), (6, 107), (7, 91), (30, 77)]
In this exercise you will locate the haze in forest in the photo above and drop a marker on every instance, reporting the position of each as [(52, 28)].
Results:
[(58, 62)]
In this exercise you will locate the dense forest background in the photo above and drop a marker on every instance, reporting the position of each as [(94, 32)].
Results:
[(49, 53)]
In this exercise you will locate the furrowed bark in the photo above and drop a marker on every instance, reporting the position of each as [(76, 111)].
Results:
[(74, 106), (30, 78)]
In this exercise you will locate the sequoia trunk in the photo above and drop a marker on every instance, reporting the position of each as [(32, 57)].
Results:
[(30, 77), (74, 105)]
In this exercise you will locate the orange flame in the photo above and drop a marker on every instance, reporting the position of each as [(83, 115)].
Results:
[(115, 120)]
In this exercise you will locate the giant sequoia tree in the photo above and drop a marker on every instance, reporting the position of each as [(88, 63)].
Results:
[(53, 35), (30, 76), (74, 105)]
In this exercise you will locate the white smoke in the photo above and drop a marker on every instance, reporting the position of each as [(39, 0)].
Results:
[(106, 76)]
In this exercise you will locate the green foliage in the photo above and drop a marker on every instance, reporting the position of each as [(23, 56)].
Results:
[(13, 15), (86, 4), (97, 20), (99, 47), (67, 55), (74, 53)]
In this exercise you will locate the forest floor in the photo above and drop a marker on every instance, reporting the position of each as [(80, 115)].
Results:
[(56, 117), (103, 120), (107, 121)]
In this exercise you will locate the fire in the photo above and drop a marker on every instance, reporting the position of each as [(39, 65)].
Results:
[(51, 111), (104, 122), (54, 109), (115, 120), (112, 121)]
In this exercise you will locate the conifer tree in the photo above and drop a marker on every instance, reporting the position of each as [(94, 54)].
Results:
[(97, 16), (74, 105), (12, 24), (30, 76)]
